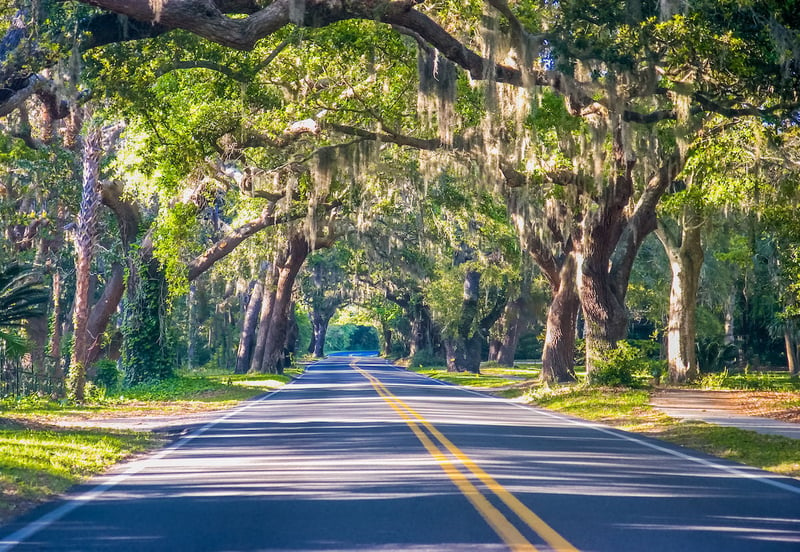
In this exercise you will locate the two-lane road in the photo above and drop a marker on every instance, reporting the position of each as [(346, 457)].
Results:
[(358, 455)]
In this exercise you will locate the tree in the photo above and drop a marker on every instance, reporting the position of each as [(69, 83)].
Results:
[(324, 291)]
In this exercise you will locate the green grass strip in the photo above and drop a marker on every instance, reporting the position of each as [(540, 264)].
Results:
[(38, 463)]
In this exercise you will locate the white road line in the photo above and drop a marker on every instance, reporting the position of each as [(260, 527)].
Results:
[(23, 534), (627, 437)]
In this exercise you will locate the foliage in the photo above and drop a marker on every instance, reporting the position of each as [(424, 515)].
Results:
[(351, 337), (143, 353), (625, 366), (22, 295), (750, 381), (108, 376), (713, 356), (425, 358)]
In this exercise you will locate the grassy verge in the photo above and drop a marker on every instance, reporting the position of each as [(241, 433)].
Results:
[(629, 409), (39, 459), (39, 462)]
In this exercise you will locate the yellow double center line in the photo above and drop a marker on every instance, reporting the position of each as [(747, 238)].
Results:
[(501, 525)]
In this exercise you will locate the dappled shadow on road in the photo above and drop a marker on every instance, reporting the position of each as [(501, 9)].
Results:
[(333, 467)]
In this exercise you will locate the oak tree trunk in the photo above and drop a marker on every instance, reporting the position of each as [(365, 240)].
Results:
[(319, 324), (558, 355), (247, 336), (278, 322), (685, 253), (511, 327), (264, 318)]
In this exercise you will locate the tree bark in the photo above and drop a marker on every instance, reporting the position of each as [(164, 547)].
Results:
[(85, 235), (56, 370), (685, 254), (461, 350), (264, 318), (101, 314), (320, 321), (558, 355), (386, 333), (791, 344), (510, 327), (247, 336), (275, 341)]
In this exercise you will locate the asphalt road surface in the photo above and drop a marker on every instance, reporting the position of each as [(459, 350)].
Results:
[(358, 455)]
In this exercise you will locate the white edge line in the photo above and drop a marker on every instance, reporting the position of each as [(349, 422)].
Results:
[(628, 437), (21, 535)]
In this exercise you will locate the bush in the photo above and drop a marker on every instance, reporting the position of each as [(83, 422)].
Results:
[(625, 366), (107, 375), (713, 356), (426, 358)]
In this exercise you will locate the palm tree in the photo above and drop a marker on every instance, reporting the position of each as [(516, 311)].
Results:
[(22, 295)]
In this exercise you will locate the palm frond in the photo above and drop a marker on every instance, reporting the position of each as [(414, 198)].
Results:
[(22, 294)]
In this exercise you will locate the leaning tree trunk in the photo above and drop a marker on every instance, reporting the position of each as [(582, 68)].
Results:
[(247, 337), (279, 317), (264, 317), (558, 355), (686, 260), (102, 311), (85, 234)]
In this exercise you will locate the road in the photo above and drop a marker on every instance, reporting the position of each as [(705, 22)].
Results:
[(359, 455)]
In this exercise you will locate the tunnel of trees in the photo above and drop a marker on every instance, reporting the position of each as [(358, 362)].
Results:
[(197, 182)]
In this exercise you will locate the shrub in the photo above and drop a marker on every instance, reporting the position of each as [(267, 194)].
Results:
[(625, 366), (107, 375), (426, 358)]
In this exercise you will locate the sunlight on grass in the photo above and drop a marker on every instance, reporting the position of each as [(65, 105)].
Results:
[(37, 463), (629, 409)]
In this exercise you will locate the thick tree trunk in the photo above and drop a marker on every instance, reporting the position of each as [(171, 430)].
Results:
[(511, 327), (320, 321), (276, 336), (463, 353), (558, 355), (605, 317), (686, 260), (386, 333), (143, 347), (460, 348), (264, 318), (247, 336), (421, 330), (101, 314)]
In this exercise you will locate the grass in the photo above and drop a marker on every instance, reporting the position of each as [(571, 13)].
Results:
[(630, 409), (751, 381), (39, 459), (38, 462)]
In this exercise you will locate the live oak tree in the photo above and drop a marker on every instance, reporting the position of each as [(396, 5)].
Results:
[(640, 77)]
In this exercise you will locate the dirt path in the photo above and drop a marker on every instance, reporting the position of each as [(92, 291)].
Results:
[(783, 406)]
